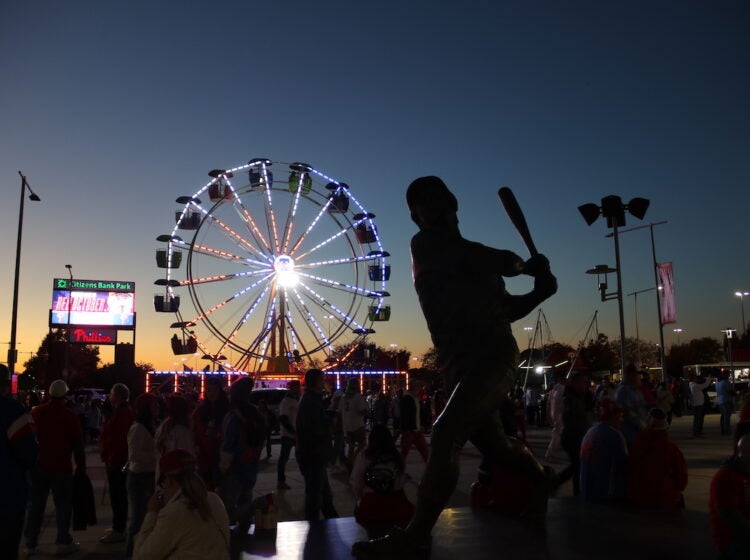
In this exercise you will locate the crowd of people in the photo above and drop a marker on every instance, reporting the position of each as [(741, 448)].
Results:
[(180, 472), (618, 449)]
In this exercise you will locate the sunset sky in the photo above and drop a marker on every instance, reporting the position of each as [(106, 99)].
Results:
[(114, 109)]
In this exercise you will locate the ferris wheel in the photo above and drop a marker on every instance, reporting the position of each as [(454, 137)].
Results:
[(277, 261)]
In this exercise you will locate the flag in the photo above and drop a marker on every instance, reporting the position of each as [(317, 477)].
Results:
[(666, 281)]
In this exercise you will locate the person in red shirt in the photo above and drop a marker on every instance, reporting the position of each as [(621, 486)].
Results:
[(113, 449), (729, 505), (60, 436), (657, 473)]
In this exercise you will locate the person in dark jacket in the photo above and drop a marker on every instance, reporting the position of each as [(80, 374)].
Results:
[(113, 448), (242, 437), (576, 421), (18, 454), (314, 447)]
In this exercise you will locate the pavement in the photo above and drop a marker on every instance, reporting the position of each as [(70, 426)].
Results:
[(703, 456)]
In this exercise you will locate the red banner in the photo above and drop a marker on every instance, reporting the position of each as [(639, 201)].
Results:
[(666, 281)]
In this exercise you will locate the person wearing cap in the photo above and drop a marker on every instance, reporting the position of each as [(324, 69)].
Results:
[(288, 421), (60, 436), (604, 457), (243, 435), (469, 313), (113, 450), (729, 505), (631, 399), (577, 408), (314, 447), (18, 454), (184, 520), (354, 410), (657, 472)]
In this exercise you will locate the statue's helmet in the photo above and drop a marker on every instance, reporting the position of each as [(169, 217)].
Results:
[(430, 201)]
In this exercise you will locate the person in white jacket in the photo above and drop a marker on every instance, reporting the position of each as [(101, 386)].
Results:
[(554, 415), (184, 521), (174, 432)]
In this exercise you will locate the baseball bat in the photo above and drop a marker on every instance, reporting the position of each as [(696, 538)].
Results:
[(516, 216)]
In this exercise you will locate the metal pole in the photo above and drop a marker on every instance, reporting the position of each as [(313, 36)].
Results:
[(66, 371), (12, 354), (619, 299)]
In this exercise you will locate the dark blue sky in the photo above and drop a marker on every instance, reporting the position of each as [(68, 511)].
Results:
[(115, 109)]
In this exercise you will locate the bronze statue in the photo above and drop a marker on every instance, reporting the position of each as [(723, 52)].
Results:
[(468, 312)]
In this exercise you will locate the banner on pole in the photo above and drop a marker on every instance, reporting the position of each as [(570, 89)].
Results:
[(666, 281)]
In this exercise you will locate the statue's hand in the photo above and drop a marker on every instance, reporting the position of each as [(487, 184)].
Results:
[(545, 284), (538, 265)]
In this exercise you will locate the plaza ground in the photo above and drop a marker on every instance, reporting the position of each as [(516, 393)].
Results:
[(703, 456)]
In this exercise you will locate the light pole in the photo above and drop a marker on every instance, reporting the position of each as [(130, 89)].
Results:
[(66, 371), (12, 354), (677, 332), (658, 287), (613, 209), (742, 295)]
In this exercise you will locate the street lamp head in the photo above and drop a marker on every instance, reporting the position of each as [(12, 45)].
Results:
[(638, 206), (33, 197), (613, 209), (590, 212), (68, 266), (741, 294)]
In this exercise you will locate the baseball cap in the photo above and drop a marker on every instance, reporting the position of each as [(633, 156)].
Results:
[(58, 389), (176, 461)]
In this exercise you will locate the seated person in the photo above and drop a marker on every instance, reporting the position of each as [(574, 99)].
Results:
[(183, 519), (729, 505), (657, 473), (500, 488), (604, 456), (378, 482)]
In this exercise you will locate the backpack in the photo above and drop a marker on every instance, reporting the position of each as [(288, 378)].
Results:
[(381, 474)]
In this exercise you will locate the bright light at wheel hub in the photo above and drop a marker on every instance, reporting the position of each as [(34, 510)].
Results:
[(285, 275)]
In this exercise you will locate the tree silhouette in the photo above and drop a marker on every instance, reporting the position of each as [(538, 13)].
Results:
[(46, 365)]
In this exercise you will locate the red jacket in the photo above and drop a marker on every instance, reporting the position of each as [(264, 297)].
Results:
[(730, 489), (113, 441), (657, 473)]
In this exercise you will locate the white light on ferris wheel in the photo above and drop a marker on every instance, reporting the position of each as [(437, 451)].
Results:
[(285, 275)]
